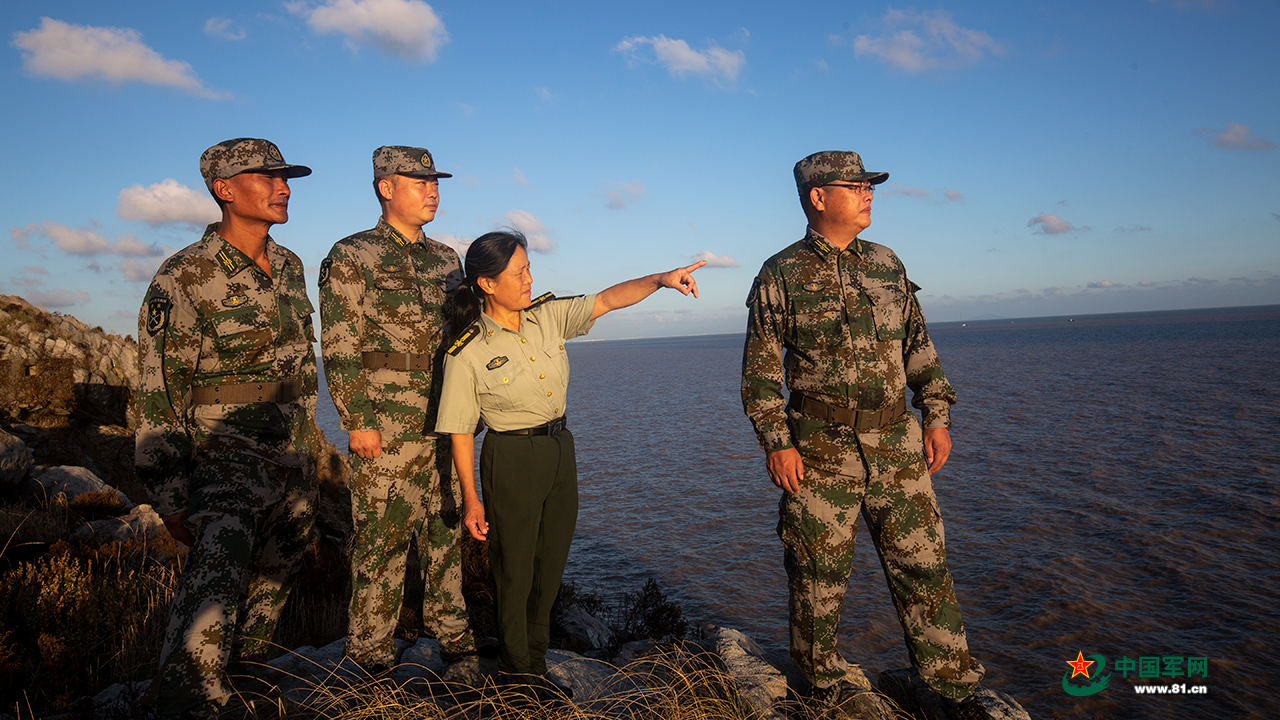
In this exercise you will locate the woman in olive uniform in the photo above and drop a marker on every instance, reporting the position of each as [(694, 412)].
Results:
[(509, 368)]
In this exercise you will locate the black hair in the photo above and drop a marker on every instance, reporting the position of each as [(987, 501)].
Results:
[(487, 257)]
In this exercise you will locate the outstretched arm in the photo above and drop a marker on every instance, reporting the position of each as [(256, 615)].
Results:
[(631, 292)]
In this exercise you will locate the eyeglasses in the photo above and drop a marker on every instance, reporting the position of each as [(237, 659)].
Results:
[(864, 188)]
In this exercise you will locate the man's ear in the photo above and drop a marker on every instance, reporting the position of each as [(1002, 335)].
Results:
[(222, 190), (817, 198)]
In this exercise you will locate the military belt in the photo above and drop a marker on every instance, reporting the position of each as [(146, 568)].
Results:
[(555, 427), (276, 391), (861, 420), (395, 361)]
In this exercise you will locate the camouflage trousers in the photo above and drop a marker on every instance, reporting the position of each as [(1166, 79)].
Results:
[(883, 475), (250, 520), (408, 491)]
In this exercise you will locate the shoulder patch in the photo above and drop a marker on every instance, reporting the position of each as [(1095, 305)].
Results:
[(541, 299), (467, 336), (158, 314), (754, 294), (325, 265)]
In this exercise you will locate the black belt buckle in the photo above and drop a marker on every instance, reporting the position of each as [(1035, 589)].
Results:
[(555, 427)]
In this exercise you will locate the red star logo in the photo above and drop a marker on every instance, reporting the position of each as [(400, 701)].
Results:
[(1079, 666)]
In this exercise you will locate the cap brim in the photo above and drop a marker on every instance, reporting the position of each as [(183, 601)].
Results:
[(294, 171), (425, 174), (873, 178)]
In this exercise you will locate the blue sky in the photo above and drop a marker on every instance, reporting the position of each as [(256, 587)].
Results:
[(1045, 158)]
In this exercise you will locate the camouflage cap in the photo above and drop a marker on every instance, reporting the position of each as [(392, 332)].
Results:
[(828, 166), (404, 160), (232, 157)]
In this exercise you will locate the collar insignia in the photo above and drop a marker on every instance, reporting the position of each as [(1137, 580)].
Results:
[(227, 262)]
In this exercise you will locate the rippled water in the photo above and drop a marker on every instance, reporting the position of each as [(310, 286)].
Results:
[(1112, 490)]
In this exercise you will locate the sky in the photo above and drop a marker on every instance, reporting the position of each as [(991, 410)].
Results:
[(1045, 158)]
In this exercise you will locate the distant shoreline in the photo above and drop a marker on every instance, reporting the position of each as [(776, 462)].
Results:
[(1040, 321)]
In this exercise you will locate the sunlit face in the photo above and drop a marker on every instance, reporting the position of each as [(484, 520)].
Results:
[(511, 289), (262, 196), (410, 200), (844, 204)]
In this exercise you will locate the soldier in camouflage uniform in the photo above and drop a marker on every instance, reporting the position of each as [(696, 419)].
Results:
[(835, 317), (227, 439), (382, 293)]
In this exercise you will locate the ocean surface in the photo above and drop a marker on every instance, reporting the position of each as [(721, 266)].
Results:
[(1112, 490)]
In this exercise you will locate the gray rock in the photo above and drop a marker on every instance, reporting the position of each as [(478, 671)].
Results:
[(15, 459), (910, 692), (73, 481), (584, 629), (633, 651), (760, 683), (142, 523), (590, 679)]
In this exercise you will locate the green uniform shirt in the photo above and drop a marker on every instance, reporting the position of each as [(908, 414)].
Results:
[(213, 317), (513, 379), (852, 332), (382, 293)]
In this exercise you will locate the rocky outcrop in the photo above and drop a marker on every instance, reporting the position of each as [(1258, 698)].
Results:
[(56, 369), (15, 459)]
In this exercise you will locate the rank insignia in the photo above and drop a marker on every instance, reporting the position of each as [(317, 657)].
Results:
[(813, 286), (324, 270), (496, 363), (158, 314), (463, 339), (227, 262), (392, 268), (235, 301)]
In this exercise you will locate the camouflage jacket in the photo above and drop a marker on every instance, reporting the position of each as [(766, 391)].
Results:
[(852, 332), (212, 317), (381, 293)]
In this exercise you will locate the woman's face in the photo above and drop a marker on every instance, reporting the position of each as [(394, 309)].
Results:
[(510, 290)]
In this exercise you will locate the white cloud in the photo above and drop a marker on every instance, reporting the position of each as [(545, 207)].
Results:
[(86, 242), (713, 260), (1050, 224), (1235, 137), (167, 202), (408, 29), (35, 270), (544, 94), (619, 195), (139, 270), (518, 177), (459, 244), (952, 195), (46, 299), (941, 196), (1104, 284), (116, 55), (910, 191), (923, 41), (223, 29), (714, 63), (534, 231)]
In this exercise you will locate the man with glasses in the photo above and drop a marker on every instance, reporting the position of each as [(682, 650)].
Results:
[(835, 318)]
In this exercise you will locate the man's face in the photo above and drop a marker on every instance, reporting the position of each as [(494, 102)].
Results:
[(254, 195), (845, 204), (411, 200)]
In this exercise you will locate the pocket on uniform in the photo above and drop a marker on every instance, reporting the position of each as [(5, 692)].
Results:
[(889, 305), (237, 337), (506, 388), (818, 329)]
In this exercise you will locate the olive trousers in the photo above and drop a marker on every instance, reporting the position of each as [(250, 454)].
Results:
[(530, 486)]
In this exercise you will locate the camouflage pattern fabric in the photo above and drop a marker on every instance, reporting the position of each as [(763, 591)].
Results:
[(244, 473), (379, 292), (845, 328), (409, 490), (232, 157)]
